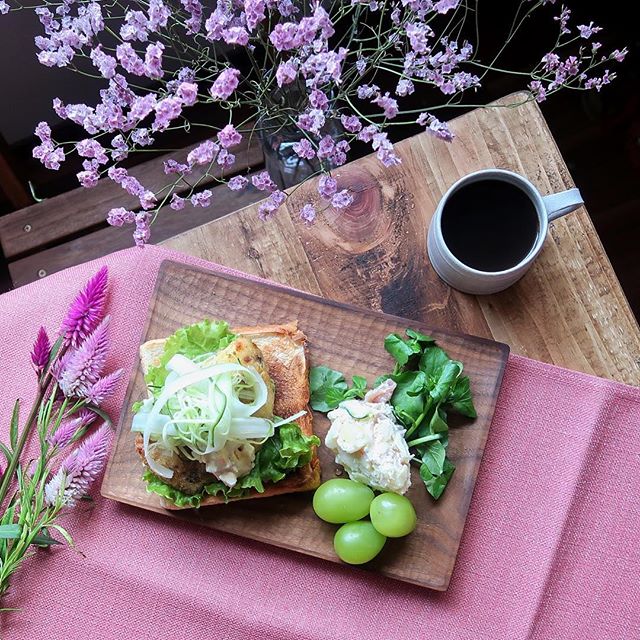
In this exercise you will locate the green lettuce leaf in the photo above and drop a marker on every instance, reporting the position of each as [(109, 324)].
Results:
[(329, 388), (198, 339), (287, 450)]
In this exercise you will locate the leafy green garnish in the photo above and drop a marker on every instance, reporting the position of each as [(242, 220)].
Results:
[(287, 450), (429, 386), (196, 340), (329, 388)]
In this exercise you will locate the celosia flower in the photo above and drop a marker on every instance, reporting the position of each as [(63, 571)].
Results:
[(78, 471), (86, 311), (103, 388), (83, 366), (41, 351), (70, 427)]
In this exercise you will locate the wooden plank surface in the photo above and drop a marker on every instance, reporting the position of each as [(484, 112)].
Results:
[(108, 239), (568, 310), (81, 209), (348, 339)]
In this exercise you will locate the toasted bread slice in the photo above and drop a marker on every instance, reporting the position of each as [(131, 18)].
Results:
[(283, 349)]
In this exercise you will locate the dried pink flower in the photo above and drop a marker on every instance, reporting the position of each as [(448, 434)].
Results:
[(70, 427), (41, 351), (86, 311), (78, 471), (83, 366), (104, 388)]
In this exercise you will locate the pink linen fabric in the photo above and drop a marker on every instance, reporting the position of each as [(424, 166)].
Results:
[(551, 548)]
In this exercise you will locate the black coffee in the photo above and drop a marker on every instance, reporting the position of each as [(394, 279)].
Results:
[(490, 225)]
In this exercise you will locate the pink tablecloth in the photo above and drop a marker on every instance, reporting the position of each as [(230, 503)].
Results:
[(551, 547)]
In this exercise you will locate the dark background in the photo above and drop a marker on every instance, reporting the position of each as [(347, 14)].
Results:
[(597, 133)]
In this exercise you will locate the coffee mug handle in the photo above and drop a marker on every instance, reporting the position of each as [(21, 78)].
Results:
[(559, 204)]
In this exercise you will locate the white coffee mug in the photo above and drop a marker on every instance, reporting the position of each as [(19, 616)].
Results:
[(469, 280)]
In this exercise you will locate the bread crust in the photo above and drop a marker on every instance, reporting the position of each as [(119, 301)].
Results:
[(284, 349)]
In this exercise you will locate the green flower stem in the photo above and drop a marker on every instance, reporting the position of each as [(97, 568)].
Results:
[(24, 437)]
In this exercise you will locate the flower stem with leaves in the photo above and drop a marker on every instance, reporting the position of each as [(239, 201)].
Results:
[(35, 492)]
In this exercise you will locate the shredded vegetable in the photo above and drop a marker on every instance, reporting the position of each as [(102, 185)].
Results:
[(200, 410)]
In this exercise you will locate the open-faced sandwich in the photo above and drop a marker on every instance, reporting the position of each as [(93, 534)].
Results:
[(227, 415)]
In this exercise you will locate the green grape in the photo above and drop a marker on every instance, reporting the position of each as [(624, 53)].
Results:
[(341, 500), (358, 542), (393, 515)]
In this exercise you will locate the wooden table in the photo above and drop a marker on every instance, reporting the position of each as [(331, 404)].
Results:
[(568, 310)]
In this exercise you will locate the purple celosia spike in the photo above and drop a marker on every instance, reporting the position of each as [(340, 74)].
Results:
[(86, 311), (104, 387), (68, 428), (83, 367), (41, 351), (79, 469)]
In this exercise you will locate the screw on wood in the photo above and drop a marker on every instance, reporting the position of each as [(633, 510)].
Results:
[(26, 228), (42, 273)]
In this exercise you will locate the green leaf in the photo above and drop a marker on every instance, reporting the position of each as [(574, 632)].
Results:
[(460, 400), (408, 399), (10, 531), (327, 388), (400, 349), (198, 339), (7, 453), (43, 539), (434, 457), (359, 384), (438, 422), (64, 533), (15, 421), (100, 412), (420, 337), (57, 345), (436, 484), (433, 361), (446, 381)]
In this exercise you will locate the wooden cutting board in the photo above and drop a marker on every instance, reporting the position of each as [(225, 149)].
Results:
[(350, 340)]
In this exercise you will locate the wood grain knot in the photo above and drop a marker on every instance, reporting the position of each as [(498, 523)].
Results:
[(365, 223)]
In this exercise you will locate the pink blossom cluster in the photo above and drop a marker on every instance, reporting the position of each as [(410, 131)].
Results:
[(302, 68)]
